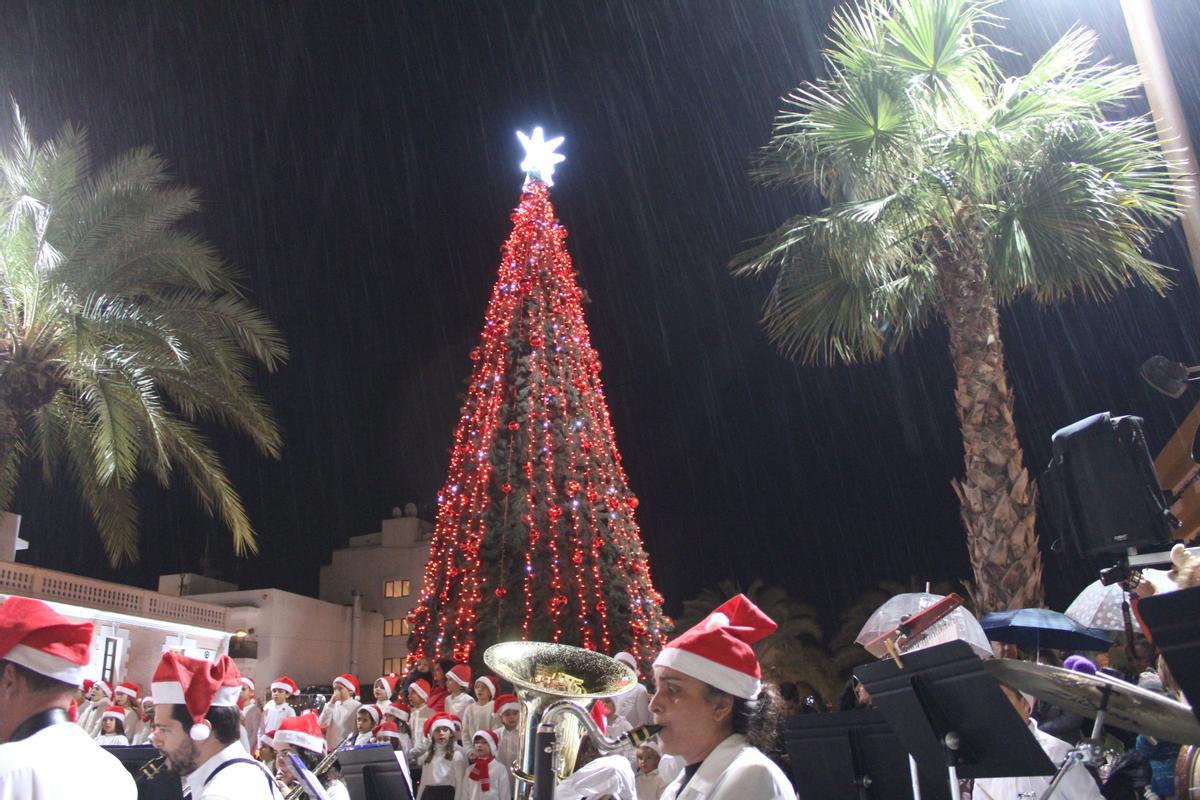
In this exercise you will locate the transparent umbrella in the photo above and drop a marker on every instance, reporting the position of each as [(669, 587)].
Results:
[(958, 624), (1099, 606)]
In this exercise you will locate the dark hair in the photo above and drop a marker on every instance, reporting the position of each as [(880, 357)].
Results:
[(757, 719), (311, 758), (225, 721), (848, 699), (118, 725), (789, 691), (36, 681)]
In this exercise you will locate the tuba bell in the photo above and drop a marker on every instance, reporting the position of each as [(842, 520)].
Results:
[(554, 683)]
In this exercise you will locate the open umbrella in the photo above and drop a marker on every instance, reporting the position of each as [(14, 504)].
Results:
[(1041, 627), (958, 624), (1099, 606)]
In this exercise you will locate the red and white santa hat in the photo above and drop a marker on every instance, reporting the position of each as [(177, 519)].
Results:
[(104, 687), (88, 683), (128, 689), (302, 731), (388, 682), (506, 702), (489, 682), (460, 674), (35, 636), (718, 650), (114, 712), (492, 739), (371, 711), (286, 684), (386, 730), (349, 681), (268, 739), (626, 658), (421, 687), (446, 721), (399, 711), (197, 685), (248, 683)]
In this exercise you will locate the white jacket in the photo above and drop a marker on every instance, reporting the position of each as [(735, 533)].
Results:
[(735, 770), (338, 718), (61, 761)]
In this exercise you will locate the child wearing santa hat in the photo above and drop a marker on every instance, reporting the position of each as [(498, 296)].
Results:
[(443, 765), (486, 778), (278, 708), (458, 681), (387, 733), (384, 690), (112, 727), (338, 717), (478, 715), (714, 711), (125, 695), (99, 699), (399, 715), (508, 717), (367, 717), (419, 714), (301, 736), (649, 783)]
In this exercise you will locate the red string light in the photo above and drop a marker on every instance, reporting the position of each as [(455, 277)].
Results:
[(536, 503)]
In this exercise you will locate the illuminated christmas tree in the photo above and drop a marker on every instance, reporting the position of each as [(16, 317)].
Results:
[(536, 535)]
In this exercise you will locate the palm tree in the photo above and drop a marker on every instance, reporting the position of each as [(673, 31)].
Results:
[(121, 333), (953, 190), (794, 652)]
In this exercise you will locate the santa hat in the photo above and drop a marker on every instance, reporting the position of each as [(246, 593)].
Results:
[(88, 683), (420, 686), (146, 700), (386, 730), (302, 731), (399, 711), (104, 687), (268, 739), (627, 659), (114, 712), (197, 685), (371, 711), (599, 714), (489, 682), (439, 721), (460, 674), (493, 741), (718, 650), (129, 689), (349, 681), (506, 702), (249, 684), (286, 684), (389, 682), (39, 639)]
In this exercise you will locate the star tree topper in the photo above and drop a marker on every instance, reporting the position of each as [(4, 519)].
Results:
[(540, 157)]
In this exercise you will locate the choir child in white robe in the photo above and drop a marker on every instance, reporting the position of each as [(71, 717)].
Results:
[(366, 718), (278, 708), (338, 717), (458, 681), (443, 765), (508, 713), (112, 727), (486, 778), (478, 715)]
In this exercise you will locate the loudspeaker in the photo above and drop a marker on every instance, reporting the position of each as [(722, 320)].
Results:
[(1100, 493)]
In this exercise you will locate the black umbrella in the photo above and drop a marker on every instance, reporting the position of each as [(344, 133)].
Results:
[(1041, 627)]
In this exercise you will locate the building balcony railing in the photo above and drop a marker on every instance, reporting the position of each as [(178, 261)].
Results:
[(47, 584)]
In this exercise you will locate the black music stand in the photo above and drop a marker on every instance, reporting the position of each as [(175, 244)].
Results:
[(165, 786), (1174, 622), (945, 708), (372, 772), (853, 755)]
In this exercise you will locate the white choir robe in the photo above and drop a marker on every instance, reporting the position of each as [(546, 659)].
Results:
[(442, 771), (1077, 784), (476, 718), (420, 742), (498, 784), (509, 752), (634, 706), (338, 719), (61, 761), (133, 723), (273, 715), (337, 791), (92, 723), (110, 739), (650, 785), (456, 704), (363, 738)]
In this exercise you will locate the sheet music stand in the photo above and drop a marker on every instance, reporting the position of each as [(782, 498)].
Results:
[(853, 755), (1174, 622), (944, 707), (372, 772)]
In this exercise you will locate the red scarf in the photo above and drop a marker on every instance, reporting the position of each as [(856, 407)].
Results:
[(480, 773)]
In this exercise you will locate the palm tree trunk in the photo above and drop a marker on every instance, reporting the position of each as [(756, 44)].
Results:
[(996, 493)]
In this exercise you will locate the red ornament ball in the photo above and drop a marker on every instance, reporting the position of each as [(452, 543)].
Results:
[(506, 488), (577, 558), (514, 426), (633, 502), (501, 591)]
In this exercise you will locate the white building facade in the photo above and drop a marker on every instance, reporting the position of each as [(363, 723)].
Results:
[(383, 570)]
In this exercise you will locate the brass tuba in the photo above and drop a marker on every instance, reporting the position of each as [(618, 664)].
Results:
[(554, 683)]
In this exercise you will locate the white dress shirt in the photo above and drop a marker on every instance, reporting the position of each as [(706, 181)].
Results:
[(61, 761)]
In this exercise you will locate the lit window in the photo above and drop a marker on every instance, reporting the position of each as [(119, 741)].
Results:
[(404, 588), (391, 665), (397, 588), (395, 627), (404, 627)]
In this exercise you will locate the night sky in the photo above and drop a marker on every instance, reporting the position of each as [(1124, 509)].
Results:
[(358, 163)]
